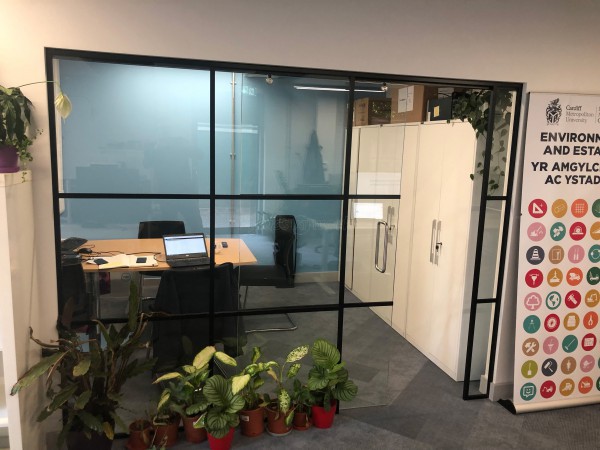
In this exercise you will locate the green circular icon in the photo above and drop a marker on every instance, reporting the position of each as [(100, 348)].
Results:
[(596, 208), (532, 324), (553, 300), (528, 391), (529, 369), (598, 383), (558, 231), (593, 275), (594, 253), (569, 343)]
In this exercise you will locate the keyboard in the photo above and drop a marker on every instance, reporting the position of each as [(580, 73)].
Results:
[(70, 244), (187, 262)]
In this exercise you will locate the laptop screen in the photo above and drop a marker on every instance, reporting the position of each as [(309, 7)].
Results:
[(185, 245)]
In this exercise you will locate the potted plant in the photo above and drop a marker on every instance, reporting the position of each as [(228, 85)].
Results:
[(166, 422), (184, 390), (140, 434), (301, 402), (91, 378), (221, 415), (279, 410), (15, 136), (252, 417), (328, 383)]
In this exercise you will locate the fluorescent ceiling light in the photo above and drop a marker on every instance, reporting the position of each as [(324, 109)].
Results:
[(317, 88)]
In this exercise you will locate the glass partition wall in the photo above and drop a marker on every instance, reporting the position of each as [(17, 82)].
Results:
[(306, 175)]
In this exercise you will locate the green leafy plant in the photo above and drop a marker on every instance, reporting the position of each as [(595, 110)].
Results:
[(328, 378), (222, 407), (301, 397), (15, 112), (250, 380), (183, 393), (283, 400), (474, 106), (91, 373)]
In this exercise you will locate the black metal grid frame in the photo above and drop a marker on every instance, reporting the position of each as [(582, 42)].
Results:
[(352, 78)]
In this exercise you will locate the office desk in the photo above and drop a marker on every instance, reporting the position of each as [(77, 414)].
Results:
[(237, 252)]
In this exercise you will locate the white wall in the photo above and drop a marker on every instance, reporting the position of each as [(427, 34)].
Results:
[(551, 45)]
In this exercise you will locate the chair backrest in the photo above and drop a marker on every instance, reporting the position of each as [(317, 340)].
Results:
[(159, 228), (285, 243), (183, 291), (74, 302)]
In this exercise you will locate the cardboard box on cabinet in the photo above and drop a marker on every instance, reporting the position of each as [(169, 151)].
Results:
[(372, 111), (409, 103)]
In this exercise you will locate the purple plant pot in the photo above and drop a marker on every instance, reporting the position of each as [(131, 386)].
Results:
[(9, 159)]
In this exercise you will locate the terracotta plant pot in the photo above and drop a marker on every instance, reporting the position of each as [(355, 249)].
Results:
[(140, 435), (9, 159), (166, 435), (223, 443), (322, 418), (276, 421), (301, 421), (195, 435), (252, 422)]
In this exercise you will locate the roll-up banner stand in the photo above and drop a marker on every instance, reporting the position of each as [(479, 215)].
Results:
[(556, 343)]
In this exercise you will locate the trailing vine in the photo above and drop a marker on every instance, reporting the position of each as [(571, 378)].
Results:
[(474, 106)]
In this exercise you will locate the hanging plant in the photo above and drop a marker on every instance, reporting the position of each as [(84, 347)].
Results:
[(474, 106)]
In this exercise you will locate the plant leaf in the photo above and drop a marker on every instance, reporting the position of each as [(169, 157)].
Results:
[(82, 367), (225, 358), (167, 376), (63, 106), (256, 354), (203, 357), (239, 382), (83, 399), (297, 354), (108, 430), (324, 354), (294, 368), (36, 371)]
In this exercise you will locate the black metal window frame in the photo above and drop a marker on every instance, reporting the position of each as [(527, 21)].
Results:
[(352, 77)]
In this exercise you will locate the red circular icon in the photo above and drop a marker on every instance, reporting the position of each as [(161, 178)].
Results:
[(574, 276), (552, 323), (547, 389), (590, 320), (572, 299), (585, 385), (577, 231), (588, 342), (537, 208), (534, 278)]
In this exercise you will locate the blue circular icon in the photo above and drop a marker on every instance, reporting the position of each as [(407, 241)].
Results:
[(594, 253), (569, 343)]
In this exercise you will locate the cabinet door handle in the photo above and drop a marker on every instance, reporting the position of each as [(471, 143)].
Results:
[(385, 242), (432, 242), (438, 242)]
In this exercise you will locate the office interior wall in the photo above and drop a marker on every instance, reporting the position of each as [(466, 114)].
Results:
[(548, 44)]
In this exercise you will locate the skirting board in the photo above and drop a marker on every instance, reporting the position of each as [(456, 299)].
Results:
[(500, 391)]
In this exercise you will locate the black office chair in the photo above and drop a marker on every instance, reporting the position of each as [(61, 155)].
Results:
[(280, 274), (75, 303), (181, 291), (152, 230)]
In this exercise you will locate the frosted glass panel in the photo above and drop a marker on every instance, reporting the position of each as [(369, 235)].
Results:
[(134, 129), (283, 137)]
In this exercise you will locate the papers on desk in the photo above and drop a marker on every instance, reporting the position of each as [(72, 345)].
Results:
[(123, 260)]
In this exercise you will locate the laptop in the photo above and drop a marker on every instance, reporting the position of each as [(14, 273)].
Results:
[(184, 250)]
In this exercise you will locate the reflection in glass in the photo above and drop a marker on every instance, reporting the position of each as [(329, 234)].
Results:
[(481, 348), (490, 252), (287, 137)]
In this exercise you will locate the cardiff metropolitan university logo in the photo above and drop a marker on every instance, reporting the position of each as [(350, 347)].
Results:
[(553, 112)]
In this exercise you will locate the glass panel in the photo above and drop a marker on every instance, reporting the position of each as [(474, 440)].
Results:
[(371, 250), (134, 129), (501, 146), (481, 348), (120, 218), (279, 135), (490, 252), (306, 238), (369, 363)]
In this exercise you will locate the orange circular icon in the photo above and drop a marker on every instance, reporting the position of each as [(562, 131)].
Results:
[(579, 208), (592, 298), (555, 277), (574, 276), (530, 347), (590, 320), (568, 365), (585, 385), (559, 208), (595, 231)]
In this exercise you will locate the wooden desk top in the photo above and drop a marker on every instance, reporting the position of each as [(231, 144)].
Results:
[(237, 252)]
